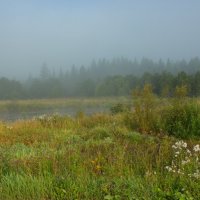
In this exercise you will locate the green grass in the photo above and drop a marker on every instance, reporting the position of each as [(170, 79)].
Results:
[(90, 158)]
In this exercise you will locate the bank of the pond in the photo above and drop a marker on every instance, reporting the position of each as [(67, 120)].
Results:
[(27, 109)]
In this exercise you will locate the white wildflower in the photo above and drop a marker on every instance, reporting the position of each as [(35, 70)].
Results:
[(196, 174), (196, 148), (189, 152), (184, 145), (168, 168), (185, 161)]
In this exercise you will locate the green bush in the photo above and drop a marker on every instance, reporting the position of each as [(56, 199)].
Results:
[(182, 120), (119, 108), (145, 117)]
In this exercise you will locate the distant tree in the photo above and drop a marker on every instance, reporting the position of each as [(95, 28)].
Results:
[(11, 89), (45, 72), (195, 84), (86, 88)]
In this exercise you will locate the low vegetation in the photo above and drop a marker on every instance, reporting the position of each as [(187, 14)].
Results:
[(146, 151)]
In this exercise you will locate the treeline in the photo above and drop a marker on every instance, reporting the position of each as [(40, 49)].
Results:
[(105, 78)]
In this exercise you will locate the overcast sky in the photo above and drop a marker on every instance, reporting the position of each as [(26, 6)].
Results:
[(66, 32)]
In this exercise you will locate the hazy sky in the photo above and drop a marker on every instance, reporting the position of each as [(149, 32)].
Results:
[(66, 32)]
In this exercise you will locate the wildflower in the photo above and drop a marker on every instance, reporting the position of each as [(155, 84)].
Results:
[(174, 146), (190, 175), (196, 174), (168, 168), (189, 152), (98, 167), (180, 172), (185, 161), (93, 161), (180, 144), (184, 145), (196, 148), (183, 189)]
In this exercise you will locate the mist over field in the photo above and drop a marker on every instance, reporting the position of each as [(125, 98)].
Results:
[(62, 33), (99, 99)]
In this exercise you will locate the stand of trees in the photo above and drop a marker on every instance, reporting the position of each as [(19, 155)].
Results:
[(105, 78)]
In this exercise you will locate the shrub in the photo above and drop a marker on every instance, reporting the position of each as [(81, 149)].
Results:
[(119, 108), (182, 120), (144, 117)]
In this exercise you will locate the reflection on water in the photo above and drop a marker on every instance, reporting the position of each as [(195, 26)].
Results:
[(17, 115)]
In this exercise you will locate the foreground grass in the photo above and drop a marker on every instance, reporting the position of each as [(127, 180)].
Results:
[(90, 157)]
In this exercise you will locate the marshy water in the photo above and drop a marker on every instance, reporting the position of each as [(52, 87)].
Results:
[(27, 109), (29, 114)]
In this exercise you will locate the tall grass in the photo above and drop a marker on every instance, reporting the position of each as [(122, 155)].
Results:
[(92, 157)]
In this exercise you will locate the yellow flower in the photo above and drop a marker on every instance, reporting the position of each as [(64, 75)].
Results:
[(93, 161), (98, 167)]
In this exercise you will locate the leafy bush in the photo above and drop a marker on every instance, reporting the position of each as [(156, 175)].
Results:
[(119, 108), (144, 117), (182, 120)]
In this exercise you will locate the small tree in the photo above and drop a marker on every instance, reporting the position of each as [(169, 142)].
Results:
[(44, 72), (144, 115), (182, 119)]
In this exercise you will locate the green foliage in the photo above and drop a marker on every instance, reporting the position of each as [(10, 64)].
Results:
[(22, 186), (144, 117), (106, 78), (184, 169), (119, 108), (92, 157), (173, 195), (182, 120), (98, 133), (181, 91), (10, 89), (134, 137)]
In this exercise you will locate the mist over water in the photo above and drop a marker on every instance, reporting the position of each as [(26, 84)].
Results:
[(62, 33)]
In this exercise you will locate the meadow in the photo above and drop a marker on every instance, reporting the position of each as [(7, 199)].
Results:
[(149, 151)]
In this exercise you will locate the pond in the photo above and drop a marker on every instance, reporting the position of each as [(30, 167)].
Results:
[(29, 114), (12, 110)]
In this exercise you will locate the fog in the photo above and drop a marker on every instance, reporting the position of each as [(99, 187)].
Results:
[(62, 32)]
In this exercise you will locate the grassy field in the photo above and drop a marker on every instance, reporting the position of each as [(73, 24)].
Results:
[(102, 156)]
